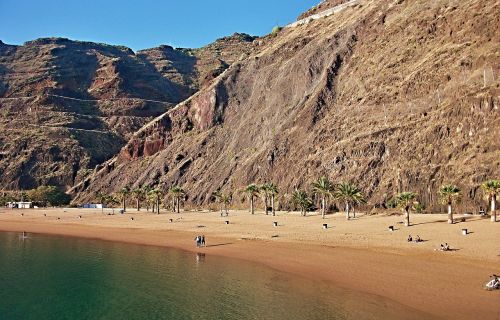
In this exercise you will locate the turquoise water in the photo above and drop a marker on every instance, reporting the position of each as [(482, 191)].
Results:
[(45, 277)]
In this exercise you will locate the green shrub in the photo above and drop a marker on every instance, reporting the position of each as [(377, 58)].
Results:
[(49, 195), (418, 207), (391, 203), (276, 30)]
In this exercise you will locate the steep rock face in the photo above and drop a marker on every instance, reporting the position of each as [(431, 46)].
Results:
[(387, 94), (196, 68), (85, 100)]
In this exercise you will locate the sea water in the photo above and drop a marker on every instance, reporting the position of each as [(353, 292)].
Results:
[(48, 277)]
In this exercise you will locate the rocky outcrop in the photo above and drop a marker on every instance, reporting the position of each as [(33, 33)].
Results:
[(87, 99), (388, 94)]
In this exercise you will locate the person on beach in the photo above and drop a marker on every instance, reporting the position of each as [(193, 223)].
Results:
[(198, 241), (410, 238), (203, 240), (417, 239)]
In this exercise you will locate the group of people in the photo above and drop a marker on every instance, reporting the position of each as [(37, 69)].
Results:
[(494, 284), (417, 239), (444, 247), (200, 241)]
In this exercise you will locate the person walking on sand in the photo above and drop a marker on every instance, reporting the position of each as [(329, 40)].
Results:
[(198, 241), (203, 240)]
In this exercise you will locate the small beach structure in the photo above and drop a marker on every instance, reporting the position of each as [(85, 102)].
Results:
[(20, 205), (93, 206)]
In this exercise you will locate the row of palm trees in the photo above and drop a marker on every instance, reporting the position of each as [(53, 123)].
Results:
[(151, 196), (350, 195), (268, 191), (344, 193)]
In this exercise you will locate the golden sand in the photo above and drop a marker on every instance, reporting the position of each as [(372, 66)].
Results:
[(360, 254)]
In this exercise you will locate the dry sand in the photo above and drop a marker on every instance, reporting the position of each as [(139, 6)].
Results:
[(360, 254)]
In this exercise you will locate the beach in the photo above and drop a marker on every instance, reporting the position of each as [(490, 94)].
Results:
[(360, 254)]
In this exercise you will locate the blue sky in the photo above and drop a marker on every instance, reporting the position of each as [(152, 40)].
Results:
[(144, 23)]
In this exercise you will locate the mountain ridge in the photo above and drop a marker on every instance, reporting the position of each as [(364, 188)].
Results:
[(333, 98)]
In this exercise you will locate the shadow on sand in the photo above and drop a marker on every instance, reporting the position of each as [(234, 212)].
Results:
[(219, 244), (437, 221)]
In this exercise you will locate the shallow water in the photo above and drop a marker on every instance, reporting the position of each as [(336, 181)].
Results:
[(46, 277)]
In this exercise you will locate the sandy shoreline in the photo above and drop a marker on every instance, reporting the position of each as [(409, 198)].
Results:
[(360, 255)]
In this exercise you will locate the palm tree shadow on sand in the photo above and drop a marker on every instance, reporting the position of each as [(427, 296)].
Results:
[(429, 222), (219, 244)]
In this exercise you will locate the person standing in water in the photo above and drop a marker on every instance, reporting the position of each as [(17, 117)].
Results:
[(198, 241), (203, 240)]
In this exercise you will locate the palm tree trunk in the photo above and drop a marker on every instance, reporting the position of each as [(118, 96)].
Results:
[(158, 204), (265, 203), (272, 205), (178, 205), (323, 205), (138, 204), (354, 211), (124, 207), (347, 210), (450, 214), (407, 216), (251, 205), (493, 208)]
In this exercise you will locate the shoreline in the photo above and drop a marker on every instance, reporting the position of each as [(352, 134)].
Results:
[(440, 284)]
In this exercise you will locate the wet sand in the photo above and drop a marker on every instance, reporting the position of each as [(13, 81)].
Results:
[(360, 254)]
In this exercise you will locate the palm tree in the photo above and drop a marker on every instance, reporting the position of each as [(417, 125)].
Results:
[(269, 190), (324, 188), (263, 189), (224, 199), (252, 190), (449, 193), (404, 201), (156, 194), (492, 188), (138, 195), (177, 194), (147, 196), (112, 201), (124, 193), (272, 189), (302, 200), (348, 193)]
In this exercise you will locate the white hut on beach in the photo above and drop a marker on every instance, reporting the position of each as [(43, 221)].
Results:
[(20, 205)]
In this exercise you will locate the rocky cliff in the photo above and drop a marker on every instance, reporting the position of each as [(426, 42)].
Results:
[(67, 106), (392, 95)]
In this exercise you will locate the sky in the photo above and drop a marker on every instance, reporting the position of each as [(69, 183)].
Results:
[(144, 24)]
